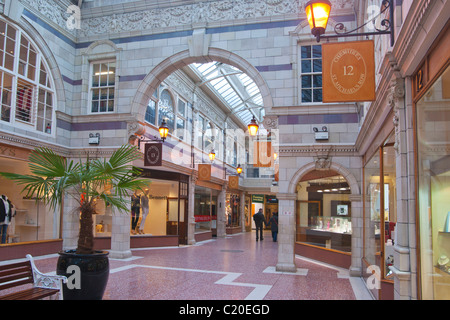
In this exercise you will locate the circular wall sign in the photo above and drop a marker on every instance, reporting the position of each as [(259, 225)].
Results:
[(348, 71), (153, 154)]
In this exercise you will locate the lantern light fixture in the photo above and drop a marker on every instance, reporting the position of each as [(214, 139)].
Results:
[(253, 127), (212, 155), (163, 132), (239, 169), (318, 13)]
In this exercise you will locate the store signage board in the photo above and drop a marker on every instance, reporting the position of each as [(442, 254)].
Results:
[(258, 198), (348, 71), (233, 182), (204, 171), (153, 154)]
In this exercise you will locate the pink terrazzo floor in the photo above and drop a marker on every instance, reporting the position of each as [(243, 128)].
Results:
[(232, 268)]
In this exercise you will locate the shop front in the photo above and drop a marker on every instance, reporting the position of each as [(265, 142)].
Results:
[(380, 216), (268, 203), (26, 225), (324, 218), (233, 212), (431, 94), (158, 212), (206, 210)]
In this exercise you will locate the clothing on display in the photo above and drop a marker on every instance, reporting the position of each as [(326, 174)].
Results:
[(7, 212), (135, 211), (144, 206)]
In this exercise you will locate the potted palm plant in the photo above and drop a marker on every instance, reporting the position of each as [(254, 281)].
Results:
[(113, 181)]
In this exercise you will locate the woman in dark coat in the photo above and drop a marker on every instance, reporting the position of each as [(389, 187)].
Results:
[(273, 221)]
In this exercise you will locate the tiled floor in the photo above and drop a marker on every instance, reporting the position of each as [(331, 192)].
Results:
[(232, 268)]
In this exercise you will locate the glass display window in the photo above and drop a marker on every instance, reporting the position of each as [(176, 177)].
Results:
[(157, 210), (28, 220), (433, 165), (323, 211), (233, 210), (205, 209), (372, 210)]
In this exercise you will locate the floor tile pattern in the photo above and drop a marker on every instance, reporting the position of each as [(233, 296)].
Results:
[(232, 268)]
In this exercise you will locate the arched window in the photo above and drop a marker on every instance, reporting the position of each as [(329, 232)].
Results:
[(26, 87), (165, 109)]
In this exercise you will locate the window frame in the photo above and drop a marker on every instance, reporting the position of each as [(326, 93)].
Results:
[(311, 73), (32, 79), (91, 87)]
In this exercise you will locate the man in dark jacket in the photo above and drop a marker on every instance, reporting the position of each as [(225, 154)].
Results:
[(259, 220), (274, 226)]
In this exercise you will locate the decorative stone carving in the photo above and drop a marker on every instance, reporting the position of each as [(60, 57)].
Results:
[(339, 4), (322, 163), (270, 122), (397, 92), (53, 11), (135, 128), (203, 12)]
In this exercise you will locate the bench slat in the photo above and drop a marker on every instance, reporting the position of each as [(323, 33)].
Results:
[(30, 294), (20, 273)]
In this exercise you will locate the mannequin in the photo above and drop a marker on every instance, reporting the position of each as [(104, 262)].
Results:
[(135, 211), (144, 206), (7, 212)]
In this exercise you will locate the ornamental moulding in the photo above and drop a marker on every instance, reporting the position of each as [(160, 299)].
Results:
[(205, 12)]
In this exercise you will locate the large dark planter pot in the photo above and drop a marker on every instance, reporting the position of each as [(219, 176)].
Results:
[(93, 271)]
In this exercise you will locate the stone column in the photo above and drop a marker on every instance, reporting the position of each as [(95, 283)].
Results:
[(120, 235), (404, 260), (357, 234), (242, 210), (191, 218), (221, 219), (286, 232)]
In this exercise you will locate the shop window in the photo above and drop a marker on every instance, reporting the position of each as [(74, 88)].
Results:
[(380, 210), (311, 73), (205, 208), (372, 210), (30, 220), (156, 210), (103, 86), (433, 163), (323, 211), (390, 205), (233, 211), (24, 78)]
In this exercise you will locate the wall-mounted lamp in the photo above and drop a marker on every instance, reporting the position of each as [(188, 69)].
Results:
[(212, 155), (318, 12), (163, 132), (239, 169), (253, 127), (94, 138)]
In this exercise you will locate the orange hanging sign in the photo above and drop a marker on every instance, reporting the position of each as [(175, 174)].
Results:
[(348, 71)]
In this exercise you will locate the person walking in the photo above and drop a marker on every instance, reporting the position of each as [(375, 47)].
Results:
[(273, 221), (259, 220)]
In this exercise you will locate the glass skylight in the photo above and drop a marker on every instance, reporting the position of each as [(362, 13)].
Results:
[(236, 89)]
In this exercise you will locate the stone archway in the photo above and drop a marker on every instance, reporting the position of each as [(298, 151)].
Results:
[(160, 72), (352, 182), (286, 251)]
